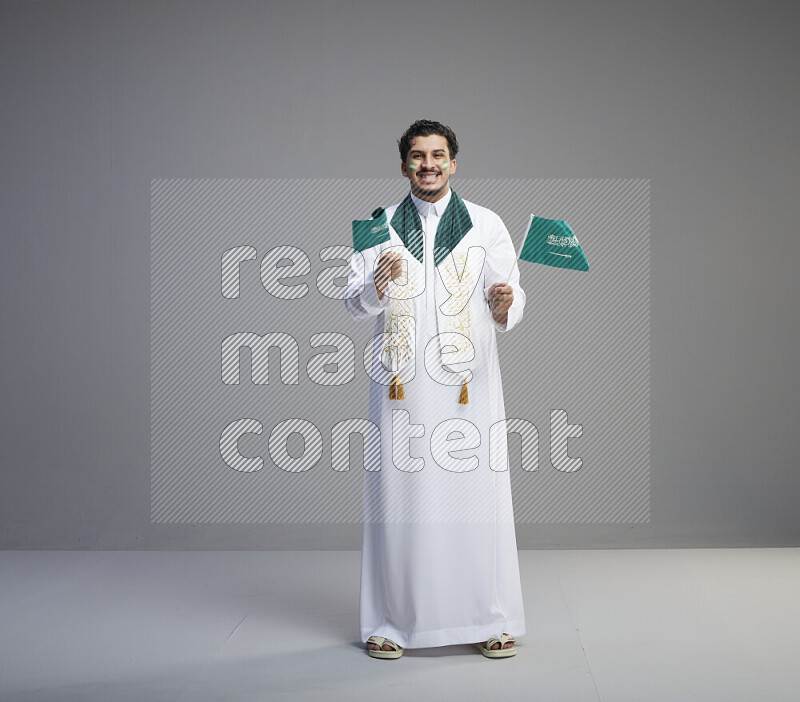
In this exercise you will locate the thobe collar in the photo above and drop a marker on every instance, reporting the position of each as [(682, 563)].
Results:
[(425, 208), (454, 223)]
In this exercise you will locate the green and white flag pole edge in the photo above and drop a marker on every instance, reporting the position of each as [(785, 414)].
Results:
[(522, 246)]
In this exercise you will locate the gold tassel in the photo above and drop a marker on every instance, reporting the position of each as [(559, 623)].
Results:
[(464, 397), (396, 391)]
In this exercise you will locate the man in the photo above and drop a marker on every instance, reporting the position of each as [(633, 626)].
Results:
[(439, 559)]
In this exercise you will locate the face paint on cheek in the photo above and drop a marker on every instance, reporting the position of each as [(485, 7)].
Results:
[(445, 165), (413, 166)]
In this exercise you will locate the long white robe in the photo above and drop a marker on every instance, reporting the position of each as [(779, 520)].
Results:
[(439, 558)]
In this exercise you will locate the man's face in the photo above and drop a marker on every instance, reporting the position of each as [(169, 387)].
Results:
[(428, 167)]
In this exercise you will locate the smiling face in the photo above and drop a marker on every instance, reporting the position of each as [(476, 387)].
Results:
[(428, 167)]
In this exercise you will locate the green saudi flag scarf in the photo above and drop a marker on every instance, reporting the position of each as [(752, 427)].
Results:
[(454, 224)]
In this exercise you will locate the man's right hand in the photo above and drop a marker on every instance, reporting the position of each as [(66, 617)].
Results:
[(389, 267)]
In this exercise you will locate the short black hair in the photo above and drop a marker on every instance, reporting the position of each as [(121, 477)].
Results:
[(426, 127)]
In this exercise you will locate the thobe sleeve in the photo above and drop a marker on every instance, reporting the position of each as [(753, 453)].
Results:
[(501, 257), (361, 296)]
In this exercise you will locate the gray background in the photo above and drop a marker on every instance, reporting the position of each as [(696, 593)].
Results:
[(100, 98)]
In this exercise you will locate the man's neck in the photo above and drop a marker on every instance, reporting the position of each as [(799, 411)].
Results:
[(431, 199)]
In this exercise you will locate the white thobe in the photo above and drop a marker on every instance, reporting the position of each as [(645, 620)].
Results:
[(439, 560)]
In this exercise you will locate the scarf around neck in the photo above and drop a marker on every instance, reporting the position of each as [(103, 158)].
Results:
[(399, 337), (454, 224)]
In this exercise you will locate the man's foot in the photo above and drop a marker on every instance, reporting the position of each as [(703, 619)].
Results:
[(380, 647), (375, 647), (498, 648), (496, 645)]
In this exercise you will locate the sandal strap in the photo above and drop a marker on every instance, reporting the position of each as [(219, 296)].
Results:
[(503, 640), (380, 641)]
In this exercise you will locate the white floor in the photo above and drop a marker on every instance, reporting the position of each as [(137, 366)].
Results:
[(638, 625)]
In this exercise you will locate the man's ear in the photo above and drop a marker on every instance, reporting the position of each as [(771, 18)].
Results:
[(403, 169), (452, 166)]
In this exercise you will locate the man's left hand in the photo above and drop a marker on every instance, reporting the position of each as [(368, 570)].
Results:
[(501, 295)]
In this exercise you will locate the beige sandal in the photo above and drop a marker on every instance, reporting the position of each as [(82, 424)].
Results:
[(380, 653), (501, 652)]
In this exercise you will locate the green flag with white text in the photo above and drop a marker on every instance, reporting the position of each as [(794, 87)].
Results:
[(370, 232), (552, 243)]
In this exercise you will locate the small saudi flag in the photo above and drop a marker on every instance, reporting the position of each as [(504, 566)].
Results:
[(370, 232), (552, 243)]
